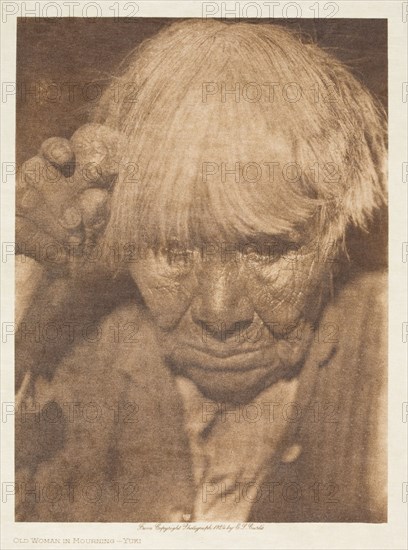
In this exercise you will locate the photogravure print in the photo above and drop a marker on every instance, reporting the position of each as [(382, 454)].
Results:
[(200, 250)]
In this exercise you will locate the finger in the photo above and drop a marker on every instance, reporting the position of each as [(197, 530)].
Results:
[(28, 198), (38, 173), (93, 204), (37, 244), (96, 156), (71, 220), (57, 151), (29, 176), (66, 228), (46, 196)]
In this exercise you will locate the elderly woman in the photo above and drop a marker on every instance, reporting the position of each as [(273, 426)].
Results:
[(219, 362)]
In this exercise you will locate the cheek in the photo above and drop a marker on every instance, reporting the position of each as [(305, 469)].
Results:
[(284, 292), (167, 292)]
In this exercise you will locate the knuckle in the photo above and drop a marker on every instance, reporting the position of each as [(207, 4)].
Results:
[(96, 150), (57, 151), (37, 172)]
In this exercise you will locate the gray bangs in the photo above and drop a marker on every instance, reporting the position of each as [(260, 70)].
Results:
[(220, 146)]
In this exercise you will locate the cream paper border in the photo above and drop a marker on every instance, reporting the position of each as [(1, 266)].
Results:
[(393, 534)]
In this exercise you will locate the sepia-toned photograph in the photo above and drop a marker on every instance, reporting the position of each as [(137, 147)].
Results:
[(201, 270)]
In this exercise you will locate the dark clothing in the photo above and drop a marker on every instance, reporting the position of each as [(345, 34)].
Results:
[(126, 458)]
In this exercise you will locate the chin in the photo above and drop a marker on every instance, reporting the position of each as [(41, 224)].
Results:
[(228, 386)]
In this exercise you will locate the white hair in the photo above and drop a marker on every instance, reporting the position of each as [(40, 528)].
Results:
[(172, 130)]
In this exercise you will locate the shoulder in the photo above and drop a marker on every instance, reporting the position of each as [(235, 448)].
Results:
[(357, 312), (354, 384), (363, 291), (356, 320)]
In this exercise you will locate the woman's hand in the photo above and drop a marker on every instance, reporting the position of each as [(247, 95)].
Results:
[(62, 206), (62, 196)]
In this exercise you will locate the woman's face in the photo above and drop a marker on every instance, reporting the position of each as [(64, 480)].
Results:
[(233, 318)]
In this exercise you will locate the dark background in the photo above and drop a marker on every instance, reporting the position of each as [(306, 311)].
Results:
[(66, 54)]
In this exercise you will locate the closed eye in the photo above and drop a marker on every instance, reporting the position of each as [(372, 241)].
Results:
[(272, 253)]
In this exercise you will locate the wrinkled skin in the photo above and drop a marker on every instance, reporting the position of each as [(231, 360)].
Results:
[(233, 317), (233, 322)]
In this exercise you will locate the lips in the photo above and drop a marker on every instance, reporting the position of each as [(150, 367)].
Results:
[(237, 378), (233, 371), (227, 359)]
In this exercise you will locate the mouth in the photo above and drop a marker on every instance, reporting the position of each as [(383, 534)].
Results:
[(236, 379), (235, 376), (227, 359)]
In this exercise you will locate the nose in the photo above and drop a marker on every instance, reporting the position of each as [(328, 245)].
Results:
[(221, 309)]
